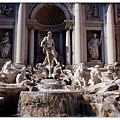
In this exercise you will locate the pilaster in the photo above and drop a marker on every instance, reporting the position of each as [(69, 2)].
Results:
[(111, 53), (20, 43)]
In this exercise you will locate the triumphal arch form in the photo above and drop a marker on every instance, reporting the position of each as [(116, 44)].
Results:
[(73, 26)]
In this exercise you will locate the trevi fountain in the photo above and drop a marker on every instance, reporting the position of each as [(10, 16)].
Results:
[(51, 89)]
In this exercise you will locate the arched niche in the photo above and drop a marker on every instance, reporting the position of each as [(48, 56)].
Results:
[(36, 7)]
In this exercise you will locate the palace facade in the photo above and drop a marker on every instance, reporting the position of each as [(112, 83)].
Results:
[(72, 26)]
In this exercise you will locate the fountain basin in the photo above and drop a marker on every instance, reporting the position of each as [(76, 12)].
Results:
[(48, 103), (49, 81), (9, 95), (50, 84)]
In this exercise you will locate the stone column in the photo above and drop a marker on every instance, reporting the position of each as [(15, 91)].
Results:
[(31, 47), (61, 43), (20, 43), (15, 33), (68, 48), (38, 40), (78, 56), (111, 53), (73, 45), (26, 46)]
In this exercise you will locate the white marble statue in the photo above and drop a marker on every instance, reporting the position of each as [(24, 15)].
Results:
[(93, 46), (21, 76), (113, 72), (48, 48), (8, 73), (51, 55), (80, 75), (116, 72), (96, 76), (57, 71), (68, 78), (42, 71), (109, 73)]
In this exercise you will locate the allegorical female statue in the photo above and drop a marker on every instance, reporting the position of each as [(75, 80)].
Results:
[(5, 47)]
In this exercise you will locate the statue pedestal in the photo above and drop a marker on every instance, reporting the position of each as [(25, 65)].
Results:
[(3, 61), (92, 63)]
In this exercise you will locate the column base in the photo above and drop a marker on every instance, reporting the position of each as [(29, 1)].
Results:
[(32, 65), (92, 63), (19, 65)]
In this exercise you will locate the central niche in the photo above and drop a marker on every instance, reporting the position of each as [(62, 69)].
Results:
[(50, 15)]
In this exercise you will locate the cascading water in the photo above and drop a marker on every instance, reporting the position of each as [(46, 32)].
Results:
[(99, 106), (48, 103), (52, 100), (97, 100)]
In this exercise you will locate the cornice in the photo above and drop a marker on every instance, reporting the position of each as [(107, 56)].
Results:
[(7, 22), (93, 23), (33, 24)]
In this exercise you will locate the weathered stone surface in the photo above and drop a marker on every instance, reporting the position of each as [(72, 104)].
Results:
[(50, 104), (106, 104), (101, 87), (10, 93), (93, 63), (11, 88), (111, 105), (47, 103), (94, 88)]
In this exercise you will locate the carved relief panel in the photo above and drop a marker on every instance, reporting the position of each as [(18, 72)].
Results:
[(118, 9), (6, 10), (117, 13), (93, 11)]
